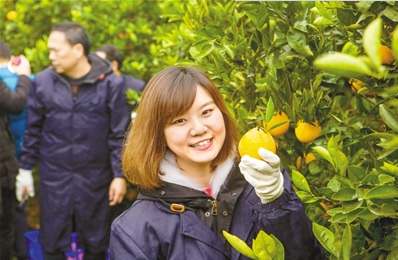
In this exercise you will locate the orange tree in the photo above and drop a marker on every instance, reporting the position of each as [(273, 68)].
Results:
[(255, 51)]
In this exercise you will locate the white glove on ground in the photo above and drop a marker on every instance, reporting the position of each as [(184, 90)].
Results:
[(265, 176), (24, 184)]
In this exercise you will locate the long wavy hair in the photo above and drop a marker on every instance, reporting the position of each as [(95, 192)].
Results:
[(170, 93)]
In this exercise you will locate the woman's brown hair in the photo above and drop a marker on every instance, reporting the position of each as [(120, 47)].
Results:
[(170, 93)]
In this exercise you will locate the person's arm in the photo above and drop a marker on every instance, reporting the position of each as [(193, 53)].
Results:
[(30, 145), (119, 120), (14, 102), (280, 212), (285, 218)]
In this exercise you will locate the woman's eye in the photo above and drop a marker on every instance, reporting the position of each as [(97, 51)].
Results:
[(207, 111), (179, 121)]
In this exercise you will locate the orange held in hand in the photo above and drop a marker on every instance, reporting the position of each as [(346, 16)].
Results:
[(253, 139), (307, 132), (278, 117)]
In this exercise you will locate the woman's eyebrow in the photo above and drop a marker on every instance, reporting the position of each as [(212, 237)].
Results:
[(207, 103)]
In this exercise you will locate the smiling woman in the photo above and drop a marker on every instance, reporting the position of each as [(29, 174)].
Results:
[(182, 152)]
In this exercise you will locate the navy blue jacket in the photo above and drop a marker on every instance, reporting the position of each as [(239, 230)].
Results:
[(78, 144), (150, 230)]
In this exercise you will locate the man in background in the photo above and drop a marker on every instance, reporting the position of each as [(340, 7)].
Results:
[(114, 56), (77, 117)]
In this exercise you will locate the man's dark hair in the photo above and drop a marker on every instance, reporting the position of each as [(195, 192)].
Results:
[(5, 52), (112, 53), (74, 34)]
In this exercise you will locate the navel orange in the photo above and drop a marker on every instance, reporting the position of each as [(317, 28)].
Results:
[(277, 118), (253, 139), (307, 132)]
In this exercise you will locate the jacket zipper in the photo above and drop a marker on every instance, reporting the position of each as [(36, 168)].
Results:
[(214, 208)]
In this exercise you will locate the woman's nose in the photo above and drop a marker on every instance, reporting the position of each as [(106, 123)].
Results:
[(198, 128)]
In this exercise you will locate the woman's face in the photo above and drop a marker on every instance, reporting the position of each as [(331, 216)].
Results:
[(197, 136)]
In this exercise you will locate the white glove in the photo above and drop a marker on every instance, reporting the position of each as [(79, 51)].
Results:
[(265, 176), (24, 186)]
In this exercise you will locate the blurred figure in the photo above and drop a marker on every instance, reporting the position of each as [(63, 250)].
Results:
[(17, 127), (115, 57), (77, 116), (11, 102)]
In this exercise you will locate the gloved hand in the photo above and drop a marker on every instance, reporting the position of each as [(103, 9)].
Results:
[(24, 184), (264, 175)]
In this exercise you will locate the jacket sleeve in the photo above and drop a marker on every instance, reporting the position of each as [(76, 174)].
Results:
[(119, 120), (286, 219), (122, 246), (14, 102), (35, 120)]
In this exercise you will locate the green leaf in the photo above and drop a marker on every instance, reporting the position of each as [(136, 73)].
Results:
[(371, 41), (367, 215), (263, 246), (353, 215), (385, 179), (306, 197), (389, 117), (394, 42), (279, 253), (342, 65), (384, 210), (206, 50), (356, 174), (382, 192), (393, 255), (348, 206), (391, 13), (347, 242), (269, 113), (390, 168), (239, 245), (339, 158), (300, 181), (326, 238), (297, 40), (390, 241), (324, 153), (345, 194), (350, 48)]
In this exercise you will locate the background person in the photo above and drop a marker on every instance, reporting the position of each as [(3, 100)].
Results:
[(187, 156), (11, 102), (115, 57), (77, 116), (112, 54), (17, 127)]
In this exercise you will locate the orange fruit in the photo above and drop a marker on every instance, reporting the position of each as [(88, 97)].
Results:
[(307, 132), (11, 15), (299, 160), (356, 84), (309, 157), (276, 118), (253, 139), (386, 54)]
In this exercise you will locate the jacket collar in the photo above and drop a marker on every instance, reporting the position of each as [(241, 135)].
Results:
[(173, 174)]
